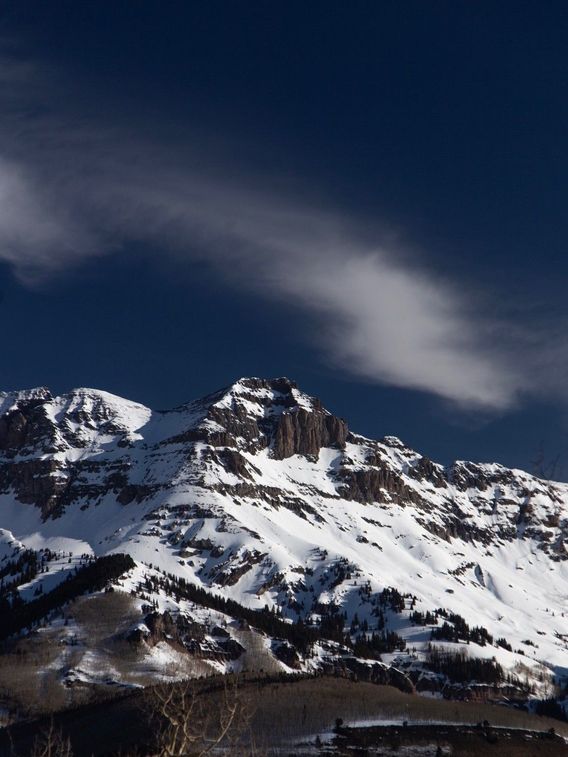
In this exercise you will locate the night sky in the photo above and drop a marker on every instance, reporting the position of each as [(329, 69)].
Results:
[(367, 197)]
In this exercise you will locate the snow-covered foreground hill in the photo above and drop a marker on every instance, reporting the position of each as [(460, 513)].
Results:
[(261, 496)]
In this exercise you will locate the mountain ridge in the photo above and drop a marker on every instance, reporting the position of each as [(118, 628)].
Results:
[(260, 494)]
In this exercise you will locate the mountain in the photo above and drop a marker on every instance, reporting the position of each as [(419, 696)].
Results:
[(355, 554)]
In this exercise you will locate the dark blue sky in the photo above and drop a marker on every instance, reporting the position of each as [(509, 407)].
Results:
[(442, 124)]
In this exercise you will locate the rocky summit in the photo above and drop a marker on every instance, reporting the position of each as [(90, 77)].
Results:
[(254, 525)]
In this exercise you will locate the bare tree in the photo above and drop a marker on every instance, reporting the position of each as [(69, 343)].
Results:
[(189, 723), (51, 743)]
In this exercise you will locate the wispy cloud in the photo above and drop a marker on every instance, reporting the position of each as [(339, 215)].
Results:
[(70, 190)]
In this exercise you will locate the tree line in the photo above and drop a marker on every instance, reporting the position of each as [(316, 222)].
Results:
[(93, 577)]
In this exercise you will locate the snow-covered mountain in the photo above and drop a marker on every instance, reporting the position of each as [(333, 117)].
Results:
[(260, 495)]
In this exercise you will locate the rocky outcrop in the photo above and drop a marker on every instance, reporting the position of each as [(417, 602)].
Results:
[(305, 432), (465, 475), (187, 635), (35, 482), (26, 427), (235, 463), (366, 670), (286, 653), (134, 493), (375, 484), (232, 570), (426, 470)]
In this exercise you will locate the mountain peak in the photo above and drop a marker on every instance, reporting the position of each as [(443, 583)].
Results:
[(255, 413), (100, 403), (279, 391), (262, 397), (11, 400), (279, 384)]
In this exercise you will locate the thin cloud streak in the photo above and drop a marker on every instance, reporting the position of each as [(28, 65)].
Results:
[(69, 192)]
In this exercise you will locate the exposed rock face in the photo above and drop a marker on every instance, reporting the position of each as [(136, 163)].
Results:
[(232, 570), (286, 653), (35, 482), (305, 432), (425, 470), (464, 476), (376, 484), (187, 635), (26, 426), (479, 692), (132, 492), (352, 667)]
